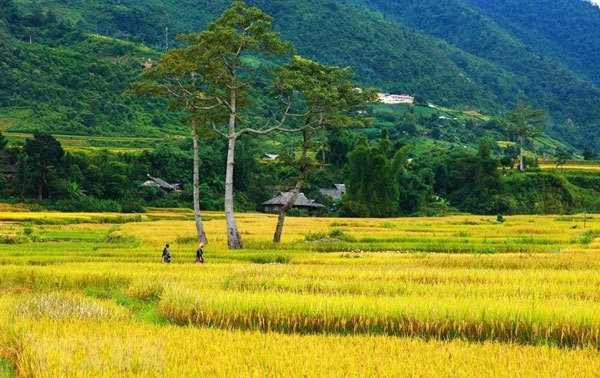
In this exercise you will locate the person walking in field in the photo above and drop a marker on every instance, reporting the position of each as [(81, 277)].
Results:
[(199, 254), (166, 254)]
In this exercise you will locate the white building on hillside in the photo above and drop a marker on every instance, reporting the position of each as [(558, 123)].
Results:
[(387, 98)]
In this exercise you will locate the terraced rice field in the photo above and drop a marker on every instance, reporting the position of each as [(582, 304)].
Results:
[(462, 296), (571, 165)]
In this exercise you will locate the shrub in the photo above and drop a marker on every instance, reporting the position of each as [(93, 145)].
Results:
[(270, 259), (588, 237), (334, 235), (297, 213), (338, 234), (533, 193), (316, 236)]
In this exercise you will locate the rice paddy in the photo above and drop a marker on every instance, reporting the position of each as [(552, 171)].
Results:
[(571, 165), (86, 295), (85, 143)]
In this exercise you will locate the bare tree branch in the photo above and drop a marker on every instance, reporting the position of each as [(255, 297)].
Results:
[(216, 129), (225, 103)]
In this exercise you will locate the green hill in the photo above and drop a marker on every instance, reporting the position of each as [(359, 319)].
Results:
[(59, 79), (565, 30), (538, 75), (469, 55)]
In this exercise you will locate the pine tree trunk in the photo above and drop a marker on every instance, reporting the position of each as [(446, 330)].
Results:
[(234, 239), (197, 216)]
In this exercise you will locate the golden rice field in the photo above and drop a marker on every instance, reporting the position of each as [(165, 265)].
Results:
[(85, 295), (571, 165)]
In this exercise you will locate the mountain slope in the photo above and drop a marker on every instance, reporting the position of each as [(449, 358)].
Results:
[(460, 53), (566, 30), (381, 53), (69, 82), (542, 80)]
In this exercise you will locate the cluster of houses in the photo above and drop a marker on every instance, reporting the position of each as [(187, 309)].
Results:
[(271, 206)]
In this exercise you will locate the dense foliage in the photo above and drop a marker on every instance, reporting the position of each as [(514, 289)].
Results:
[(383, 179), (382, 182), (56, 79), (565, 30)]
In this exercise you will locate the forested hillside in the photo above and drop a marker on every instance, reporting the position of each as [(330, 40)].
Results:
[(57, 78), (542, 79), (466, 54), (381, 52), (566, 30)]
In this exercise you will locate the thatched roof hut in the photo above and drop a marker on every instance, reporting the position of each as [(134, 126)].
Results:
[(273, 205), (158, 182)]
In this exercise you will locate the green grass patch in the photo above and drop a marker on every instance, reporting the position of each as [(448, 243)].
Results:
[(68, 235), (589, 236), (6, 370), (264, 259), (144, 309), (186, 239), (13, 239), (335, 235), (118, 219)]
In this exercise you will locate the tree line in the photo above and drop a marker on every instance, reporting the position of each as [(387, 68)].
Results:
[(384, 178)]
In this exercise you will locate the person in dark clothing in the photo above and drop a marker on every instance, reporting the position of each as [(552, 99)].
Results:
[(166, 254), (199, 254)]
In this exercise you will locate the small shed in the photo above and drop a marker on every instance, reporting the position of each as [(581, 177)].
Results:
[(160, 183), (273, 205), (336, 192)]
